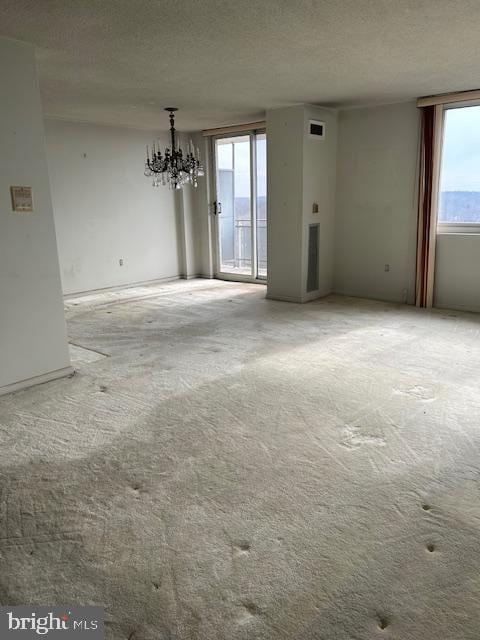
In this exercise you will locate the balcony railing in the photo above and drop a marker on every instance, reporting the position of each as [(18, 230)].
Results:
[(242, 247)]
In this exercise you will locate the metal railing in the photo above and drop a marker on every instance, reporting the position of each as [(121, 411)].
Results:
[(243, 244)]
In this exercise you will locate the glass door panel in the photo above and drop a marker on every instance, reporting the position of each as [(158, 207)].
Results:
[(241, 205), (261, 217), (234, 208)]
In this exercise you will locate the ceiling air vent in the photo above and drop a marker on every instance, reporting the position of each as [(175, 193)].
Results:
[(316, 129)]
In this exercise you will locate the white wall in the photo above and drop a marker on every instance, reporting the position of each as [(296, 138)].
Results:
[(32, 326), (319, 185), (202, 216), (373, 215), (195, 222), (376, 202), (301, 171), (285, 132), (106, 210), (457, 272)]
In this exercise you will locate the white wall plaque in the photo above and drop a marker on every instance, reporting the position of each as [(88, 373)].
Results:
[(22, 199)]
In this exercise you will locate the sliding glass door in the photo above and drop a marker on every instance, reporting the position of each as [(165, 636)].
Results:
[(240, 205), (261, 204)]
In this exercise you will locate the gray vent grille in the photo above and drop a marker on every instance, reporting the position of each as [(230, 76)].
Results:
[(313, 256)]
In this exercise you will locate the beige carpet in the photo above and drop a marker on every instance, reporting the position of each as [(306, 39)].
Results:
[(248, 469)]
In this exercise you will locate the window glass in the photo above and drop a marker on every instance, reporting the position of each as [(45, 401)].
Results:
[(459, 200), (261, 142)]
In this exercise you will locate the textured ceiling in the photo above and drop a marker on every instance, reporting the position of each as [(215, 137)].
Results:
[(223, 61)]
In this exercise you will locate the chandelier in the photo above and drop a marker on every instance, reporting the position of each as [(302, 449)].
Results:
[(173, 168)]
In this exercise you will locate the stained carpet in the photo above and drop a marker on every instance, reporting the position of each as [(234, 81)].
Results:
[(240, 468)]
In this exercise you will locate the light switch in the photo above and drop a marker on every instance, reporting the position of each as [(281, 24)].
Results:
[(315, 207)]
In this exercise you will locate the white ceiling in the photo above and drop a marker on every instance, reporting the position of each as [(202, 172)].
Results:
[(226, 61)]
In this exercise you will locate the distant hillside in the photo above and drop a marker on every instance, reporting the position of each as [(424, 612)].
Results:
[(454, 206), (459, 206)]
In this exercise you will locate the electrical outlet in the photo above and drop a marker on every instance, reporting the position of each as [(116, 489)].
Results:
[(120, 262), (315, 207), (387, 267)]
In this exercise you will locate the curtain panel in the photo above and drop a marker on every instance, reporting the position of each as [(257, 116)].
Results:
[(429, 177)]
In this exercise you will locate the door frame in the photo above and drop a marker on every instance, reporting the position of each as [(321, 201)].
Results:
[(222, 275)]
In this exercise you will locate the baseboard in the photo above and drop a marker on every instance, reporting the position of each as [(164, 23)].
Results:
[(315, 295), (239, 279), (354, 294), (296, 299), (30, 382), (117, 287), (456, 307), (308, 297), (131, 285)]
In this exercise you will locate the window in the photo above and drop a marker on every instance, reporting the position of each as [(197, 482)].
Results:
[(459, 197)]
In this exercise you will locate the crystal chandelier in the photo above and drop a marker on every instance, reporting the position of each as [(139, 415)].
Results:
[(173, 168)]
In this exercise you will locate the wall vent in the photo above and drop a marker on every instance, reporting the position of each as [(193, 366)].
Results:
[(316, 129), (313, 257)]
